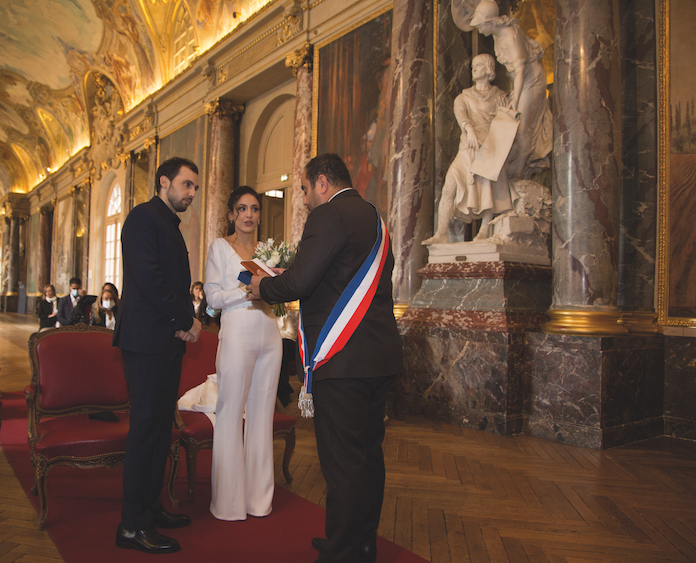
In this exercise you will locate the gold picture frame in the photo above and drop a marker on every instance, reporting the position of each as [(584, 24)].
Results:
[(676, 272)]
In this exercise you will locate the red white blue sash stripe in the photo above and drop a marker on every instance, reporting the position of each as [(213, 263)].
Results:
[(348, 311)]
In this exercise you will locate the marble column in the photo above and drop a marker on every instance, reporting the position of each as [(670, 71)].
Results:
[(301, 63), (13, 258), (411, 158), (638, 243), (223, 116), (43, 271), (586, 168)]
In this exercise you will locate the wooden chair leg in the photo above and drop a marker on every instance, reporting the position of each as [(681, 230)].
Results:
[(40, 484), (173, 470)]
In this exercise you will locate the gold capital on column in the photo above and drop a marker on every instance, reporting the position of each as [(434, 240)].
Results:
[(224, 108), (299, 58), (584, 322)]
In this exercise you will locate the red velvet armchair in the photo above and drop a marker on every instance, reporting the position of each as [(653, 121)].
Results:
[(75, 372), (196, 429)]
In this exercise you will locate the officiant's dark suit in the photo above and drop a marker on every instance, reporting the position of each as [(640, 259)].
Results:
[(154, 319), (350, 390)]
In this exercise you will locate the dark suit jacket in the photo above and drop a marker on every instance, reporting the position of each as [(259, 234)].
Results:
[(337, 238), (65, 307), (43, 309), (156, 281)]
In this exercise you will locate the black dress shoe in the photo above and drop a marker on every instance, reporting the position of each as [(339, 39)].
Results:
[(367, 553), (147, 541), (164, 519)]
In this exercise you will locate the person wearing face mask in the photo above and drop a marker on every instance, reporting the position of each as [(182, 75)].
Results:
[(47, 309), (67, 304), (104, 314)]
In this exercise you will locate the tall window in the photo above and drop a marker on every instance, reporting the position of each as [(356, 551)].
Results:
[(184, 40), (112, 263)]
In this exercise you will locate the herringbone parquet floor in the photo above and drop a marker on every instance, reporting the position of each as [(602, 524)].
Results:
[(458, 495)]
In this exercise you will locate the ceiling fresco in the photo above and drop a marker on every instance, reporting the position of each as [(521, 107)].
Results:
[(51, 50)]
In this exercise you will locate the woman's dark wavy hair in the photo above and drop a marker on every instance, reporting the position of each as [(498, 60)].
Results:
[(236, 194)]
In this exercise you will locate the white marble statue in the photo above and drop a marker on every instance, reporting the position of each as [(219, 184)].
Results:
[(521, 56), (466, 195)]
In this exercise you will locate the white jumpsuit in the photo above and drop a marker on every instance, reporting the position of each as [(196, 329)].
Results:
[(248, 365)]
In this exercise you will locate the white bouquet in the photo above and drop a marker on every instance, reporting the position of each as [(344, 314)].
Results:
[(276, 256)]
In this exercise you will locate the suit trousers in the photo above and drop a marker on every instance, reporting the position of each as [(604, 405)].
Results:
[(349, 428), (153, 382)]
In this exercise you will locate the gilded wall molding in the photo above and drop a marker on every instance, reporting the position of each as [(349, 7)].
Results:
[(302, 57), (223, 108)]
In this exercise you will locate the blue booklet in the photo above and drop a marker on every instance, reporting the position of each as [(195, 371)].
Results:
[(244, 277)]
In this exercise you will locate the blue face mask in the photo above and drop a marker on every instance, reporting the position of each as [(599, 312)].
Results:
[(73, 292)]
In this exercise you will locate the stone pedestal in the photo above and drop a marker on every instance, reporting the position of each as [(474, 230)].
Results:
[(464, 336), (597, 392), (680, 387)]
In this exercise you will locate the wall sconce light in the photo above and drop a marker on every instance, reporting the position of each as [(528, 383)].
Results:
[(284, 178)]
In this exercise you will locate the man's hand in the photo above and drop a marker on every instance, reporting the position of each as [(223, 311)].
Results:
[(253, 288), (192, 334), (81, 293), (195, 330)]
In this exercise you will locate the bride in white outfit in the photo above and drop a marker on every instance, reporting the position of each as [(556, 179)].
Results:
[(248, 365)]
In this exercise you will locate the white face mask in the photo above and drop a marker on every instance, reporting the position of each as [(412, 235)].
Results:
[(73, 292), (107, 304)]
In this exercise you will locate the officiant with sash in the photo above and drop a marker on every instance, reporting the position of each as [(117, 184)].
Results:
[(350, 346)]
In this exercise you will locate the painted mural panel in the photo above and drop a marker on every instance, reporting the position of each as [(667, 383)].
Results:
[(64, 245), (189, 142), (33, 254), (352, 94), (682, 290)]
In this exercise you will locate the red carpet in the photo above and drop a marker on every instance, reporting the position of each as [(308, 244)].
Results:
[(84, 509)]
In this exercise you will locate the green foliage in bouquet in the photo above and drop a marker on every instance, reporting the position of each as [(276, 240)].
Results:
[(276, 256)]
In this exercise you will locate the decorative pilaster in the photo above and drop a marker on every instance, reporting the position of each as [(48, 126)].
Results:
[(43, 270), (301, 63), (151, 146), (586, 169), (637, 252), (411, 143), (223, 115), (13, 256)]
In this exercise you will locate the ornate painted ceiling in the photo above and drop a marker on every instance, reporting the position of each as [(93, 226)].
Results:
[(56, 56)]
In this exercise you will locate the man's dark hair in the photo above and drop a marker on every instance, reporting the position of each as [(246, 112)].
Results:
[(78, 281), (331, 166), (170, 168)]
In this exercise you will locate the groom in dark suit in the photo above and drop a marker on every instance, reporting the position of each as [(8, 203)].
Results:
[(154, 320), (350, 390)]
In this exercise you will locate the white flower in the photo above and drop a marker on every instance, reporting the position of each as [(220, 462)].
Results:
[(274, 260)]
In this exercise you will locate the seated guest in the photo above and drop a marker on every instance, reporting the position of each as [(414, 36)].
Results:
[(198, 299), (104, 314), (67, 304), (113, 288), (200, 305), (47, 308)]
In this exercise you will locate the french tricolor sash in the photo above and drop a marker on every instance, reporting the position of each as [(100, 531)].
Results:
[(345, 316)]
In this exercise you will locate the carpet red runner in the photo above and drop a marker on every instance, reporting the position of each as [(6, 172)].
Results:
[(84, 509)]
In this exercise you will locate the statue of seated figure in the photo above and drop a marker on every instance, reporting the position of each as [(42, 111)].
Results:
[(466, 195)]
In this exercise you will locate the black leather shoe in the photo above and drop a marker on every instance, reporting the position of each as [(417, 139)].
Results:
[(164, 519), (147, 541), (367, 553)]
